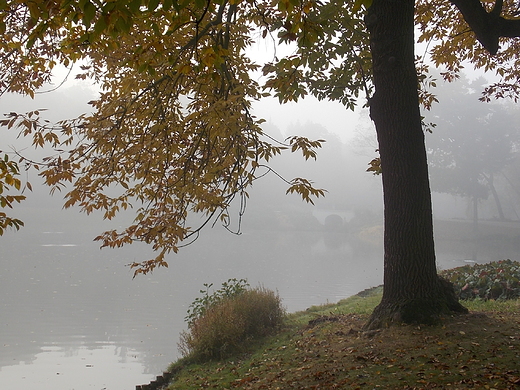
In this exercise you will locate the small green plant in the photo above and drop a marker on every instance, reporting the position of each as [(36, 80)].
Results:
[(226, 321), (198, 307), (497, 280)]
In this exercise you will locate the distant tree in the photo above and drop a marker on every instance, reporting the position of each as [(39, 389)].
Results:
[(511, 176), (472, 142), (173, 130)]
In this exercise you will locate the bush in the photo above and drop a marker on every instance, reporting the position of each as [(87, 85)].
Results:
[(495, 280), (229, 289), (221, 325)]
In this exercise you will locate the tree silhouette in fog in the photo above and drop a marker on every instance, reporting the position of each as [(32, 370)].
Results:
[(472, 142)]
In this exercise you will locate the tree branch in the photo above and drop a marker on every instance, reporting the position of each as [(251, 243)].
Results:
[(488, 26)]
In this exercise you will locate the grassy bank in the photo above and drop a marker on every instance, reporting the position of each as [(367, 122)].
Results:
[(324, 347)]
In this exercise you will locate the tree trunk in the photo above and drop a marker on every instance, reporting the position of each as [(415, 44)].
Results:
[(475, 229), (412, 290), (491, 185), (475, 218)]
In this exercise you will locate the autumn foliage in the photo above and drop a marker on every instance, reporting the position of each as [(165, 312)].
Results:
[(172, 133)]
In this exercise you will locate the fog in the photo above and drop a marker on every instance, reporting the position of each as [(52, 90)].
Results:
[(73, 317)]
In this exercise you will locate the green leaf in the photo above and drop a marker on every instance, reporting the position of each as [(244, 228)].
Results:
[(167, 4), (134, 6), (200, 3), (100, 26), (124, 25), (152, 5), (89, 13), (359, 3)]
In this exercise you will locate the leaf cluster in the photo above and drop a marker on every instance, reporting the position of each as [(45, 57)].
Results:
[(498, 280), (9, 180), (452, 46), (331, 58), (374, 166)]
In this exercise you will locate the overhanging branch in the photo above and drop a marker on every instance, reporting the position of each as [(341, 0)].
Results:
[(488, 26)]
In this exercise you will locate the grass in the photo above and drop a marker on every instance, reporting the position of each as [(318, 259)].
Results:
[(325, 347), (231, 324)]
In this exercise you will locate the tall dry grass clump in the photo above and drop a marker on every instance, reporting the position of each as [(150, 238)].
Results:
[(228, 324)]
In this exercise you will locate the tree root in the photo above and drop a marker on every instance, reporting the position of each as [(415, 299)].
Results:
[(424, 310)]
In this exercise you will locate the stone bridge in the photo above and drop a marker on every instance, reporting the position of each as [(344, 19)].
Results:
[(332, 219)]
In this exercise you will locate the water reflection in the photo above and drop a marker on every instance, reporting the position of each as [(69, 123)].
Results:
[(72, 367)]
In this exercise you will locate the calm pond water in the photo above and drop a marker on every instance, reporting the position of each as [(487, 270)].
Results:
[(72, 317)]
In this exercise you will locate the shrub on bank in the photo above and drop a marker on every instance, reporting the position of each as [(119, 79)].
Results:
[(224, 324), (495, 280)]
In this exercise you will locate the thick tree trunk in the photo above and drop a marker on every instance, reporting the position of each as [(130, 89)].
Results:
[(412, 290)]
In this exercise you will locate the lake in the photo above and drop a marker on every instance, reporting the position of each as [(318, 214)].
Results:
[(73, 317)]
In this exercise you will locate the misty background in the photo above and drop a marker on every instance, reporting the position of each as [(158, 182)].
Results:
[(73, 317)]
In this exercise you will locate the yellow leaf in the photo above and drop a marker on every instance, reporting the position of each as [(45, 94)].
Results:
[(359, 3)]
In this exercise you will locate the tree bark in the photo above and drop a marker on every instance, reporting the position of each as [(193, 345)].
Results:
[(412, 290)]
